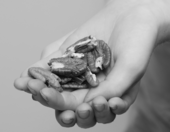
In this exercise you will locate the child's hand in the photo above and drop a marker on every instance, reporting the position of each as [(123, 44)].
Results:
[(132, 30)]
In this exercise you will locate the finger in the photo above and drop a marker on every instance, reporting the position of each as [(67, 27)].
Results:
[(85, 116), (121, 105), (102, 110), (65, 100), (21, 83), (52, 98), (35, 86), (131, 59), (118, 105), (43, 63), (66, 118)]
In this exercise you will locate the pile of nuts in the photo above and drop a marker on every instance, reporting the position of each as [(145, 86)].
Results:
[(78, 67)]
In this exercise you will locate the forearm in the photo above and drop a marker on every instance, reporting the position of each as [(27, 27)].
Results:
[(160, 9)]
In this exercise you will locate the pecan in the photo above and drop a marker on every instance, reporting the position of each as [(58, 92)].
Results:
[(91, 78), (80, 79), (80, 60), (64, 80), (46, 76), (74, 85), (104, 54), (81, 46), (91, 59), (65, 66)]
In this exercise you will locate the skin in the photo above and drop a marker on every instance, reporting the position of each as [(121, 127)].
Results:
[(132, 29)]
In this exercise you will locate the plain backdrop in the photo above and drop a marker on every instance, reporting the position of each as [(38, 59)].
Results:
[(26, 27)]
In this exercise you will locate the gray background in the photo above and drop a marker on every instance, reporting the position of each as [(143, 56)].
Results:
[(26, 27)]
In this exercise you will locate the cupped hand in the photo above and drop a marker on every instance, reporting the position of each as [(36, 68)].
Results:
[(132, 29), (49, 96), (135, 29)]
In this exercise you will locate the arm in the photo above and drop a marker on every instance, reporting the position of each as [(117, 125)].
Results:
[(132, 29)]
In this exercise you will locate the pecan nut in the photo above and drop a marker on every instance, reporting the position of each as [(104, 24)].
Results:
[(77, 68), (91, 78), (91, 59), (65, 66), (104, 54), (45, 76), (83, 45), (80, 79), (74, 85)]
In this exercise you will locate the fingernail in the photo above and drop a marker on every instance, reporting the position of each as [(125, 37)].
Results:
[(99, 108), (44, 97), (33, 91), (69, 121), (84, 114)]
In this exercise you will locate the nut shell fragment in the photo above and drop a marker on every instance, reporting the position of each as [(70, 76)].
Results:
[(72, 66), (80, 79), (64, 80), (91, 59), (104, 51), (91, 78), (83, 45), (80, 62), (74, 85), (46, 76)]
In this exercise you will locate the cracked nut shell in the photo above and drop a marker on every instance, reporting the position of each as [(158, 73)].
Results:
[(104, 51), (72, 67), (46, 76), (74, 85), (91, 78)]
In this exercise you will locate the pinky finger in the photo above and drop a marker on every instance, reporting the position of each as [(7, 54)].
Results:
[(121, 105), (118, 105)]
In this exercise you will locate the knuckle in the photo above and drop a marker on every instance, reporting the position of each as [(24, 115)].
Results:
[(113, 100)]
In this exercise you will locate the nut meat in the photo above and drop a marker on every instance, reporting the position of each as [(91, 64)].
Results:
[(78, 66), (46, 76), (71, 67)]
